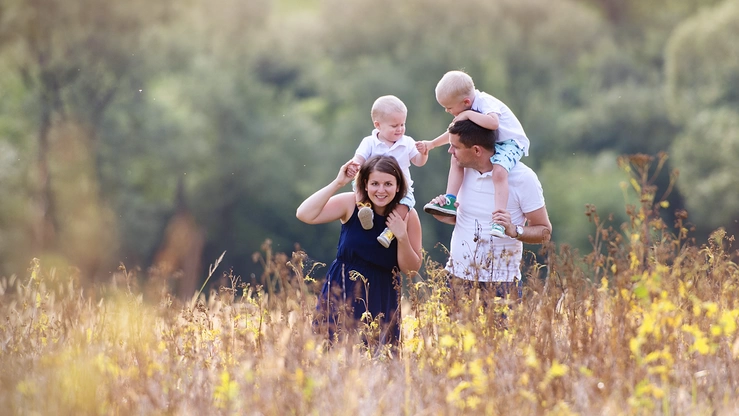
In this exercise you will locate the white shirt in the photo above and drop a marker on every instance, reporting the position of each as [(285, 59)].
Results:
[(474, 253), (510, 128), (403, 151)]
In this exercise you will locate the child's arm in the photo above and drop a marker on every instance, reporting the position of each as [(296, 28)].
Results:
[(425, 145), (354, 167), (489, 121), (420, 159), (358, 159)]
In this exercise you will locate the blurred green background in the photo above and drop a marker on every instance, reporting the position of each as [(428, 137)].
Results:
[(152, 131)]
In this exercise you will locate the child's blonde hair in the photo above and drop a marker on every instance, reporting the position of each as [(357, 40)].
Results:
[(385, 105), (455, 85)]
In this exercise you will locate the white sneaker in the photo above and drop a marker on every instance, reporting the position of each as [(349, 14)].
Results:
[(386, 237)]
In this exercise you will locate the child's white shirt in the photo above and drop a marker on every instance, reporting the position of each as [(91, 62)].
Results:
[(403, 151), (510, 128)]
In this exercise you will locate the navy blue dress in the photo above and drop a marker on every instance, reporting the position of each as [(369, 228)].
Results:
[(346, 295)]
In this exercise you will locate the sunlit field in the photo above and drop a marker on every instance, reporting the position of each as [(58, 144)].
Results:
[(646, 323)]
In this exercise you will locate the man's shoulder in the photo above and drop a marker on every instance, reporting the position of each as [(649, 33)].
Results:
[(522, 174)]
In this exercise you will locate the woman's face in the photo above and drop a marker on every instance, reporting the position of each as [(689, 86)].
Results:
[(381, 188)]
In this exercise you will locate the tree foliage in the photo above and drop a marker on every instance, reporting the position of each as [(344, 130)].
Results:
[(106, 107), (702, 83)]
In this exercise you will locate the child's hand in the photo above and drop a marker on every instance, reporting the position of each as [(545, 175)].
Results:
[(352, 169), (423, 146), (462, 116)]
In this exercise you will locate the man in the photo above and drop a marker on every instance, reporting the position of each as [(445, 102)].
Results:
[(475, 257)]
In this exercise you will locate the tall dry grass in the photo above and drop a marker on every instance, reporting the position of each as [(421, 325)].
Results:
[(644, 324)]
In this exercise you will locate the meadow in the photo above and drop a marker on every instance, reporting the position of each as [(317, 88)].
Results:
[(646, 323)]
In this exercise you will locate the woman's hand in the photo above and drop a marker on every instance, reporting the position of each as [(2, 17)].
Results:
[(398, 225), (347, 172), (323, 206)]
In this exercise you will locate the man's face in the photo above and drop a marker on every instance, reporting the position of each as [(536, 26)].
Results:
[(465, 155)]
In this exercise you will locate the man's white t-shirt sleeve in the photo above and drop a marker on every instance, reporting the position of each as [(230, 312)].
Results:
[(529, 193)]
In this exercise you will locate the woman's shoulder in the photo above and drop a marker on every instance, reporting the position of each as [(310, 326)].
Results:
[(414, 216), (348, 201)]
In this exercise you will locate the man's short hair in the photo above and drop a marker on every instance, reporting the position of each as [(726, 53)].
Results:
[(455, 85), (470, 134), (386, 105)]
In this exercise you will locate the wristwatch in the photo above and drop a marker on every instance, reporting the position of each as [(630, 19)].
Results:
[(519, 232)]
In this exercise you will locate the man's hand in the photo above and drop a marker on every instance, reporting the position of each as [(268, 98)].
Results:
[(503, 217), (442, 200)]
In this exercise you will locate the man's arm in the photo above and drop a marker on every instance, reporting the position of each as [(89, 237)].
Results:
[(538, 228), (446, 220)]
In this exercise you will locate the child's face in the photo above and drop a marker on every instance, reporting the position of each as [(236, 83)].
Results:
[(455, 106), (391, 126)]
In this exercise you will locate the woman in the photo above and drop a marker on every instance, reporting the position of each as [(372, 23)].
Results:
[(363, 276)]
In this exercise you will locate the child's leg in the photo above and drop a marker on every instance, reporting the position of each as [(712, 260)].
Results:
[(365, 214), (453, 183), (500, 180), (507, 154), (456, 175), (402, 210)]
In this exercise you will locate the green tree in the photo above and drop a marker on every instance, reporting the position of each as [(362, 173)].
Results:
[(584, 180), (702, 83), (74, 58)]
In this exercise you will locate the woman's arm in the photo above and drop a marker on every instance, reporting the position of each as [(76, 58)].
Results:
[(409, 236), (323, 206)]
